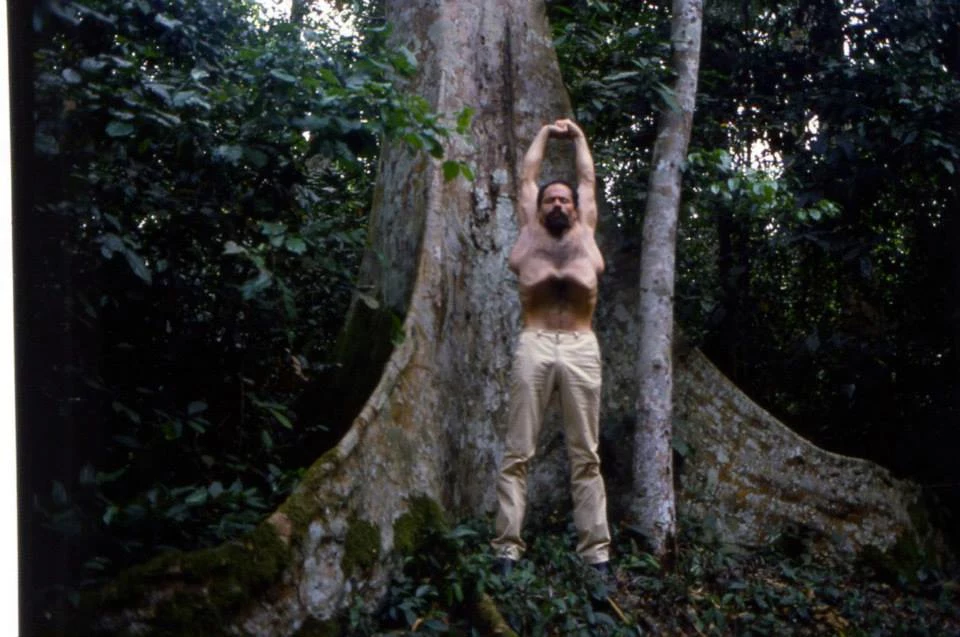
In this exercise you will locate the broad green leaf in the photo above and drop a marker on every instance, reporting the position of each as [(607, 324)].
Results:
[(272, 228), (281, 417), (138, 266), (450, 170), (160, 90), (190, 98), (92, 65), (167, 23), (231, 247), (368, 300), (228, 153), (282, 76), (119, 129), (71, 77), (196, 407), (409, 61), (464, 118), (668, 97), (623, 75), (296, 245), (197, 498), (253, 286), (110, 514), (120, 62)]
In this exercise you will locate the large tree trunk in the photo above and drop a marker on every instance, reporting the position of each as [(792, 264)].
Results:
[(429, 436), (653, 458)]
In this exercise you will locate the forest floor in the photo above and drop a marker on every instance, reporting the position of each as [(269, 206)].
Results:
[(785, 588)]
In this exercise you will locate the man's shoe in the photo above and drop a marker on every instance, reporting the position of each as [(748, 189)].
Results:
[(503, 566), (604, 582), (602, 569)]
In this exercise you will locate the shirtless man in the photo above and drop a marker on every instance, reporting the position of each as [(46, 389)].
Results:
[(557, 263)]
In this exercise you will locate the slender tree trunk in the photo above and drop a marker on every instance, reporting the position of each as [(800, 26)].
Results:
[(655, 510)]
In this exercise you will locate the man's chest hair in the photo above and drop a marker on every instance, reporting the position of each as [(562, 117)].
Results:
[(560, 252)]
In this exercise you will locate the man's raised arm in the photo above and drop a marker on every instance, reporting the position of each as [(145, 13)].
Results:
[(586, 175), (530, 174)]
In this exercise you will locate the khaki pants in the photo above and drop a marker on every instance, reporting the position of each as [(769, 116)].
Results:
[(569, 362)]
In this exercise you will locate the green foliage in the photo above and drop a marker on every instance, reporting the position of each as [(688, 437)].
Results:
[(835, 329), (786, 588), (816, 262), (614, 59), (203, 177)]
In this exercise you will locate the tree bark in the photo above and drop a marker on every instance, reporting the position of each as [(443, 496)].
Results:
[(428, 439), (654, 507)]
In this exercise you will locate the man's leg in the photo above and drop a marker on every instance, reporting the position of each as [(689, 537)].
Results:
[(580, 381), (531, 383)]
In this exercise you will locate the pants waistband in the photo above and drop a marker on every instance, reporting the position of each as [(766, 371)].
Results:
[(558, 335)]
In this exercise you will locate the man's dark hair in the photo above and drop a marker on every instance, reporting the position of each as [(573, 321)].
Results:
[(543, 189)]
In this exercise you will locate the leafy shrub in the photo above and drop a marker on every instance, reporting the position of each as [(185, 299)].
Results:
[(202, 176)]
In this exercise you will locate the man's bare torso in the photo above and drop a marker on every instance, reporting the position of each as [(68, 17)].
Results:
[(557, 277)]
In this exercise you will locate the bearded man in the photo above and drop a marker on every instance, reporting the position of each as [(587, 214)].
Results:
[(557, 263)]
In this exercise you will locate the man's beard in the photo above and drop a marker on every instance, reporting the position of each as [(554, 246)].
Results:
[(556, 222)]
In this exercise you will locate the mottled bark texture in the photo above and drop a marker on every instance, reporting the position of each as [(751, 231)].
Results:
[(653, 508), (429, 436)]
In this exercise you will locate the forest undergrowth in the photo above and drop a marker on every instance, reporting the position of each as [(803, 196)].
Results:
[(785, 588)]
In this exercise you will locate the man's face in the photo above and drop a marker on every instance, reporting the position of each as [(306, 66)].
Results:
[(557, 212)]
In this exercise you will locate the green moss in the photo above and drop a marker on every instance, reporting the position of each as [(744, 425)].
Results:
[(411, 529), (210, 586), (301, 507), (361, 548)]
